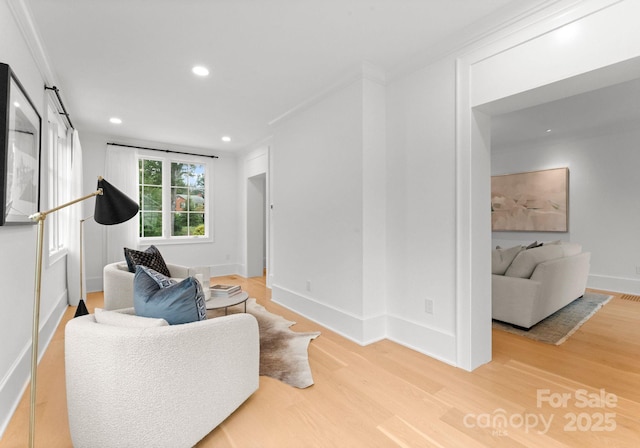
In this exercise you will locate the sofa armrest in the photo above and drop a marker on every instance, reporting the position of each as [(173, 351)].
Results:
[(166, 388), (514, 300), (563, 280), (117, 286)]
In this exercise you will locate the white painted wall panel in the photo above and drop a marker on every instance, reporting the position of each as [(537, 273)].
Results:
[(317, 197)]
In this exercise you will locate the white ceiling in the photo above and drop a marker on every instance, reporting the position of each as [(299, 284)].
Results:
[(612, 108), (133, 58)]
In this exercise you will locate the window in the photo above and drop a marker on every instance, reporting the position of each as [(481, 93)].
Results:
[(172, 199), (150, 184), (59, 167), (187, 199)]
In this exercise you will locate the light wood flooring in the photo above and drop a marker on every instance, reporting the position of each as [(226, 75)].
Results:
[(386, 395)]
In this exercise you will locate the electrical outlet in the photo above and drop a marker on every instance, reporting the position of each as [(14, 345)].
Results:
[(309, 285), (428, 306)]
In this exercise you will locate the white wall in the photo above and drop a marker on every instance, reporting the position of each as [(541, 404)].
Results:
[(317, 219), (221, 255), (374, 204), (421, 241), (18, 243), (329, 216), (604, 205)]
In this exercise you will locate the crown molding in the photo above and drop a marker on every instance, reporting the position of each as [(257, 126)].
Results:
[(24, 19), (366, 70), (480, 32)]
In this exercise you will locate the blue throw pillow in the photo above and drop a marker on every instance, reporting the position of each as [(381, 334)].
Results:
[(156, 296)]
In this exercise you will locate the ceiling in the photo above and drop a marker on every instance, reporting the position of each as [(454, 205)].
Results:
[(612, 108), (132, 59)]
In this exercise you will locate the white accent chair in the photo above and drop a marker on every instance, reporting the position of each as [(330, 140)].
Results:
[(118, 283), (137, 382)]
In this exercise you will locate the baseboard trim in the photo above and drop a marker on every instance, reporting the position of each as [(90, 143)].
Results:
[(94, 284), (224, 269), (361, 330), (423, 339), (14, 384), (367, 330), (614, 284)]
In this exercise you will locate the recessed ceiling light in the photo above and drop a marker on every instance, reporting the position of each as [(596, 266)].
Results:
[(548, 130), (115, 120), (226, 138), (16, 104), (200, 70)]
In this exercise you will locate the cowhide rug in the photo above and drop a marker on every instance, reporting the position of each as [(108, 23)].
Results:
[(283, 352)]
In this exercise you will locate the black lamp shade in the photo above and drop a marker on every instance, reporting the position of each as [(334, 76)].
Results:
[(113, 206)]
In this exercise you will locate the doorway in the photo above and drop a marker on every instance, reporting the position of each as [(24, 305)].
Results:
[(257, 225)]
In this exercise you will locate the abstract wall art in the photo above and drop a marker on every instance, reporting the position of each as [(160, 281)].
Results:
[(536, 201)]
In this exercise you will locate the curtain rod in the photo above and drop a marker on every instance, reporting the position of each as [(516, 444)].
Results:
[(64, 109), (163, 150)]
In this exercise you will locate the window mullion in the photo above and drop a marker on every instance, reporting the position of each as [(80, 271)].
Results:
[(166, 198)]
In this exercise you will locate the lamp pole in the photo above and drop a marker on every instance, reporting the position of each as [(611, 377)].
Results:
[(35, 330), (112, 207), (82, 309)]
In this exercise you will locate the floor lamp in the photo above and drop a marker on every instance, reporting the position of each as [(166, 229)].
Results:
[(112, 207), (82, 308)]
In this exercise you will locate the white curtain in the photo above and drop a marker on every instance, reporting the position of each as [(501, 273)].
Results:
[(75, 215), (121, 171)]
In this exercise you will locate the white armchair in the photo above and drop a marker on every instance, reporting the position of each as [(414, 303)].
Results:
[(118, 284), (161, 386)]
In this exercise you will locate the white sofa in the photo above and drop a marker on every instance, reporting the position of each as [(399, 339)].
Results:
[(118, 283), (537, 282), (137, 382)]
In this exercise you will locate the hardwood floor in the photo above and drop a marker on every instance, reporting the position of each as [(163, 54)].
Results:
[(386, 395)]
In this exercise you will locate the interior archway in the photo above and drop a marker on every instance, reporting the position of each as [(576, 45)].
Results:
[(475, 108)]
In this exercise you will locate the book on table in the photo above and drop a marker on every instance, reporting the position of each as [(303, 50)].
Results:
[(225, 290)]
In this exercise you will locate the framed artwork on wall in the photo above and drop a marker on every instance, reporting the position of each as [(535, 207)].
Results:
[(537, 201), (20, 127)]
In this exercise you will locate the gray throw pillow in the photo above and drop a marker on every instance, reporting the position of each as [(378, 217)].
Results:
[(177, 303), (526, 261), (501, 259)]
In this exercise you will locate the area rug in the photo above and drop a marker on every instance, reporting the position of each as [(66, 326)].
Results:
[(556, 328), (283, 352)]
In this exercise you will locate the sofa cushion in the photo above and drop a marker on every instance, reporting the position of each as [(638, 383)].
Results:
[(526, 261), (177, 303), (150, 258), (571, 249), (501, 259), (118, 319)]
